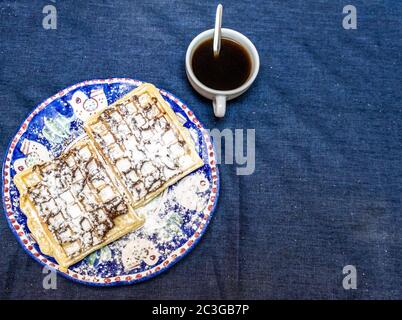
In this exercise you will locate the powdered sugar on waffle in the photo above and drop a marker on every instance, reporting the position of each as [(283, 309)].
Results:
[(74, 195), (138, 139)]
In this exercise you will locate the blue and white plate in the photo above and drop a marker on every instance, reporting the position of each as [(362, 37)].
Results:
[(175, 220)]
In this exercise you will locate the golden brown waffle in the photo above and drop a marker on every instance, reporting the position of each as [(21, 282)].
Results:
[(74, 205), (141, 138)]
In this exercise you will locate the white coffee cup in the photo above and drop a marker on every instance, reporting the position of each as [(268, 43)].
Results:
[(219, 97)]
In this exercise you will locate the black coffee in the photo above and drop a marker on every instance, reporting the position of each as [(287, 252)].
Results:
[(227, 71)]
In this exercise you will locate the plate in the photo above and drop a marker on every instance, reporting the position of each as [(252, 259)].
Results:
[(175, 220)]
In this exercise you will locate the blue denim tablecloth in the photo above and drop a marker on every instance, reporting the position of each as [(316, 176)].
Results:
[(327, 110)]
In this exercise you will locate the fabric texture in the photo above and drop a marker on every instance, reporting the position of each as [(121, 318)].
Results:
[(327, 112)]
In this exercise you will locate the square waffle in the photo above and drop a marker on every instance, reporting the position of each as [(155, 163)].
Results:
[(141, 138), (74, 205)]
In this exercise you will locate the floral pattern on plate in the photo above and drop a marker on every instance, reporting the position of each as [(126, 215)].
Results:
[(175, 220)]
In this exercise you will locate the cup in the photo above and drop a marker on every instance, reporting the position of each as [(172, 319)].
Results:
[(219, 97)]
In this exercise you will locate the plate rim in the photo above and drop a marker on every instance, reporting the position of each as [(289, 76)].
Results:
[(129, 279)]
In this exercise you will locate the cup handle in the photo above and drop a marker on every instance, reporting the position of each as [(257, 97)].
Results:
[(219, 104)]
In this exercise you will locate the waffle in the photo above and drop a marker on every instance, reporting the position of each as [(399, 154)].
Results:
[(74, 205), (142, 140), (85, 198)]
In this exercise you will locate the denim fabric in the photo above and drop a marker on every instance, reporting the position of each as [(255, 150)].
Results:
[(327, 110)]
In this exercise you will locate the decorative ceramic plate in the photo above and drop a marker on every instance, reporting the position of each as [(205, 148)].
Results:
[(175, 220)]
